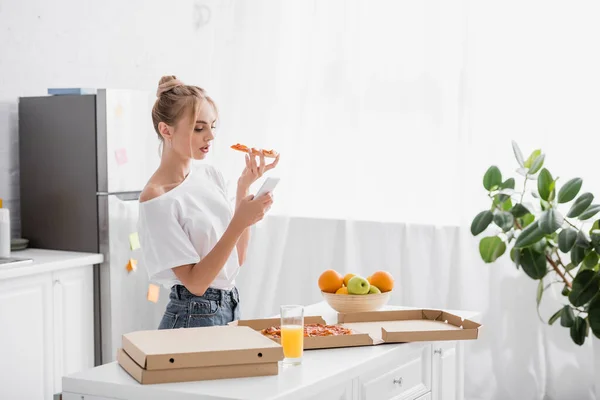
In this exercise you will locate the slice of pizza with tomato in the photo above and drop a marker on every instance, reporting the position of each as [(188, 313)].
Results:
[(310, 330), (243, 148)]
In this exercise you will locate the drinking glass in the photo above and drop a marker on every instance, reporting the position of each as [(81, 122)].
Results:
[(292, 334)]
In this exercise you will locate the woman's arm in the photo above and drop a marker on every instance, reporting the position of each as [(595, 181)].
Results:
[(244, 239)]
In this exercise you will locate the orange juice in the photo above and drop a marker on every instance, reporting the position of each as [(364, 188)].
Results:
[(292, 340)]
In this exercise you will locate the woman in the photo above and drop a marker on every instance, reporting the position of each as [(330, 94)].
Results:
[(192, 238)]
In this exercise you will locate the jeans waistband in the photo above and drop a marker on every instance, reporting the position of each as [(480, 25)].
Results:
[(180, 292)]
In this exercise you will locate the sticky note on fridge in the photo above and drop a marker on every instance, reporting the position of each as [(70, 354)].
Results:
[(134, 241), (153, 292), (131, 265), (121, 156)]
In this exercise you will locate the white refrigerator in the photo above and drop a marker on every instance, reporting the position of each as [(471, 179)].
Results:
[(84, 159)]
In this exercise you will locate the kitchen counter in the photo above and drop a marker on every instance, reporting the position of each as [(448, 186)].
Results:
[(330, 373), (47, 261)]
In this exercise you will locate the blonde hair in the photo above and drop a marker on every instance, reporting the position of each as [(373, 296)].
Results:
[(174, 99)]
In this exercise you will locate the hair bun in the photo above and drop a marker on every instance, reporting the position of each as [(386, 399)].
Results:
[(167, 83)]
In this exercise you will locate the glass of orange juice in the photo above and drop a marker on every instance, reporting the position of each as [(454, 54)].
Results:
[(292, 334)]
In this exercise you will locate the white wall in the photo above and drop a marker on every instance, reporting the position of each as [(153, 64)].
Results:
[(109, 43)]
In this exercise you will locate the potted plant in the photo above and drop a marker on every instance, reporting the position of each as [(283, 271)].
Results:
[(554, 233)]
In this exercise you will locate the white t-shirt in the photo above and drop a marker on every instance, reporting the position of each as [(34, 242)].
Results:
[(182, 225)]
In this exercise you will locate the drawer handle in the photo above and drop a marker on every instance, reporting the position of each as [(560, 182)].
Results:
[(398, 381), (437, 351)]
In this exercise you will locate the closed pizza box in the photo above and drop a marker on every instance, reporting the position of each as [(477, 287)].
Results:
[(399, 326), (207, 347), (358, 338), (173, 375)]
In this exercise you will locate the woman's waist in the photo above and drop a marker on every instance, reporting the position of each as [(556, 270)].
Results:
[(180, 292)]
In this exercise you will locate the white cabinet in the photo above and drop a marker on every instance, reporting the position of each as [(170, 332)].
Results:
[(26, 338), (73, 322), (403, 378), (445, 371), (46, 331)]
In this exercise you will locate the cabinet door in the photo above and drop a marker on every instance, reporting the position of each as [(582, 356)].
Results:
[(341, 392), (73, 322), (26, 338), (445, 368), (403, 377)]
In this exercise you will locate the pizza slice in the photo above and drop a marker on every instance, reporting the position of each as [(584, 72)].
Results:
[(310, 330), (243, 148)]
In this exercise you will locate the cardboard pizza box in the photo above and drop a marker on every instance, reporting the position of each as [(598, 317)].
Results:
[(422, 325), (145, 376), (359, 338), (200, 347)]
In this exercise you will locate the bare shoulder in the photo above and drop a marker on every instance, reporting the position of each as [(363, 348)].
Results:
[(151, 191)]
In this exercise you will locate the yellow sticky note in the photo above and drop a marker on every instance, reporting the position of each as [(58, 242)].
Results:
[(134, 241), (131, 265), (153, 292)]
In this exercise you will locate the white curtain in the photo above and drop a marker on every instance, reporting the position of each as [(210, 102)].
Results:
[(387, 114)]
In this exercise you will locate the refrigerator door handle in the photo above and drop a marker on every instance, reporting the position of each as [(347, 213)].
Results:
[(124, 196)]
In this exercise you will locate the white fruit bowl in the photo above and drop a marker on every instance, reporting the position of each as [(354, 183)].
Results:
[(349, 303)]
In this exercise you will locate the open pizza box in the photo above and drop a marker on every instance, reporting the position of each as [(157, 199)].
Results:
[(400, 326), (194, 354), (378, 327), (313, 342)]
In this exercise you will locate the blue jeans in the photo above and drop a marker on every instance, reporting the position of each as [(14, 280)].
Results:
[(214, 307)]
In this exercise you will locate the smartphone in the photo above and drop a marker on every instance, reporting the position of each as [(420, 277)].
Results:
[(267, 187)]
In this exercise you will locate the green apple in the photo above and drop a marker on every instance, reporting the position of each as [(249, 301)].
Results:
[(358, 285), (374, 290)]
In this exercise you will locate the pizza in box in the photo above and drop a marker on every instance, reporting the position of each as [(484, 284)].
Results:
[(310, 330)]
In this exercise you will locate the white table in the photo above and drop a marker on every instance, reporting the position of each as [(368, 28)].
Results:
[(423, 370)]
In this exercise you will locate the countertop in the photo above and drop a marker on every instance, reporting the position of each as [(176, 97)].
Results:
[(47, 261), (319, 367)]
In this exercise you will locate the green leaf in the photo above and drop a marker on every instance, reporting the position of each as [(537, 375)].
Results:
[(567, 318), (527, 220), (594, 315), (595, 227), (539, 246), (507, 205), (590, 212), (518, 154), (555, 316), (515, 256), (544, 184), (529, 235), (504, 220), (591, 259), (519, 210), (565, 292), (582, 240), (580, 205), (533, 263), (569, 190), (537, 164), (566, 239), (540, 292), (570, 267), (492, 177), (577, 255), (585, 286), (491, 248), (508, 184), (550, 221), (535, 154), (578, 331), (481, 222)]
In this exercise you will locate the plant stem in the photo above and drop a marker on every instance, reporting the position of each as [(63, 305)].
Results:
[(569, 222), (557, 270), (524, 187), (561, 263)]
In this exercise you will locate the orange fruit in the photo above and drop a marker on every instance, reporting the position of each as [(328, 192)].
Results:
[(369, 279), (342, 290), (347, 278), (382, 280), (330, 281)]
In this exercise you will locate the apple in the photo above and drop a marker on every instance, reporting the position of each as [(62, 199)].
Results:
[(358, 285), (374, 290)]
